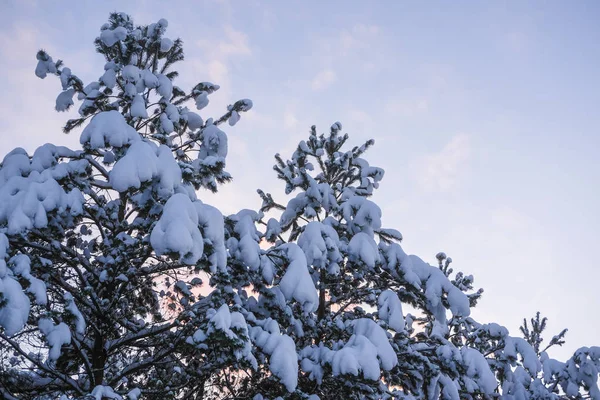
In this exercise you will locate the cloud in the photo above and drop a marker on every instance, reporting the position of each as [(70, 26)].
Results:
[(236, 43), (323, 79), (356, 45), (442, 171), (289, 120), (218, 50), (27, 102), (361, 36), (407, 108)]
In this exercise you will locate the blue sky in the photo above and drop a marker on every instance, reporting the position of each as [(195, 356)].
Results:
[(485, 117)]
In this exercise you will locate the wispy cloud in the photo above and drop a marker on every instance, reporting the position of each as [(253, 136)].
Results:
[(235, 43), (289, 120), (442, 171), (407, 107), (360, 36), (323, 79), (215, 55), (27, 98)]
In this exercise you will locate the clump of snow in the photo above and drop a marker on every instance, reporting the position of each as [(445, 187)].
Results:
[(109, 78), (71, 307), (378, 337), (246, 249), (223, 320), (282, 350), (21, 266), (165, 44), (399, 264), (436, 284), (210, 220), (363, 248), (165, 86), (15, 311), (177, 230), (168, 171), (201, 100), (56, 336), (138, 107), (26, 201), (514, 345), (358, 355), (45, 65), (101, 392), (194, 120), (234, 118), (390, 310), (138, 165), (296, 282), (108, 128), (111, 36), (150, 80), (320, 245), (214, 143), (479, 370), (361, 214), (65, 100), (131, 73)]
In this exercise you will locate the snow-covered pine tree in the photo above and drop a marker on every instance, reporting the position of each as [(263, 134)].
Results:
[(322, 288), (523, 368), (326, 313), (99, 246)]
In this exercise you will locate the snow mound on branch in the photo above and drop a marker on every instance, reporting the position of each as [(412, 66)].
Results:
[(514, 345), (138, 107), (214, 143), (296, 283), (21, 266), (225, 321), (165, 86), (436, 284), (361, 214), (165, 44), (45, 65), (398, 263), (246, 249), (363, 248), (210, 220), (111, 36), (56, 336), (26, 201), (390, 310), (177, 230), (105, 392), (72, 309), (378, 337), (108, 128), (194, 120), (137, 166), (169, 172), (15, 311), (367, 352), (282, 349), (479, 370), (142, 163), (150, 80), (64, 100), (320, 245), (358, 355)]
